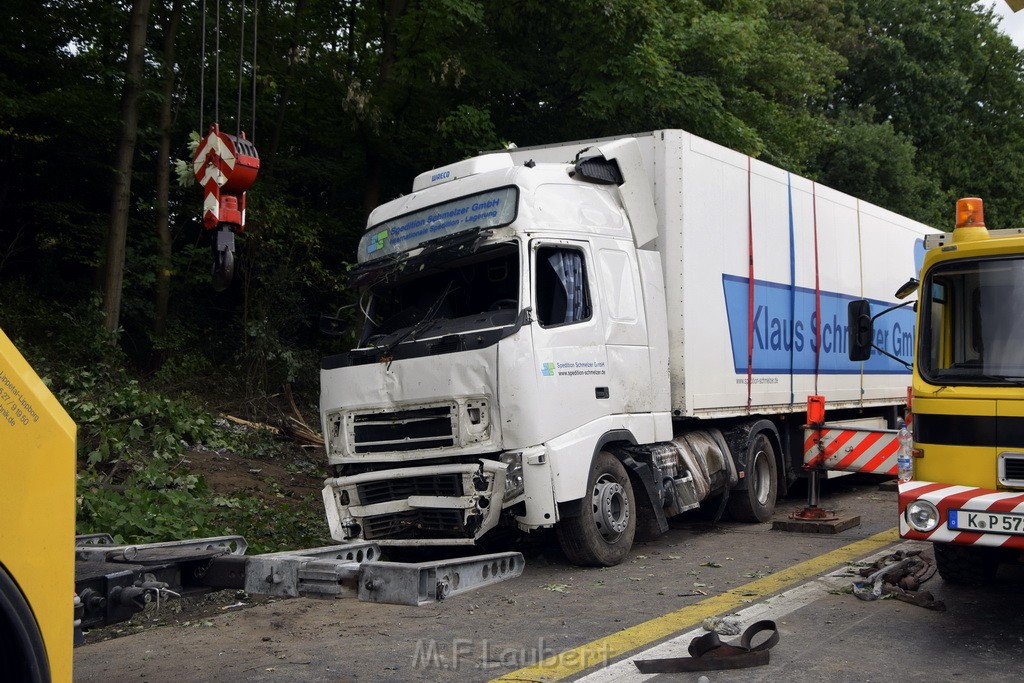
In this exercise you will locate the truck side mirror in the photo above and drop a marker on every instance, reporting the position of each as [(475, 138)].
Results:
[(861, 329)]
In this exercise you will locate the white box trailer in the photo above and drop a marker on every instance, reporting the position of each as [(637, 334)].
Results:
[(722, 216), (562, 336)]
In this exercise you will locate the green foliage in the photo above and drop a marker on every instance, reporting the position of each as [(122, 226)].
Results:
[(120, 421), (467, 130), (134, 482), (876, 163), (156, 503), (947, 81)]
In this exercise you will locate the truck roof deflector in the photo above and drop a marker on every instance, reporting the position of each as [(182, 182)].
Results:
[(635, 190)]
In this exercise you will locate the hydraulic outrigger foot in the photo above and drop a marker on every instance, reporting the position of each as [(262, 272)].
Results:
[(113, 582), (815, 519)]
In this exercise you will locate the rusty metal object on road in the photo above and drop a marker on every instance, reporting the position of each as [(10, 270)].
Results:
[(899, 575)]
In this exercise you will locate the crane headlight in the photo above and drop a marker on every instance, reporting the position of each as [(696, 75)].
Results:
[(922, 516)]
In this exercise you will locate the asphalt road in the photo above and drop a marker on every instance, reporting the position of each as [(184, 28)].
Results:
[(559, 622)]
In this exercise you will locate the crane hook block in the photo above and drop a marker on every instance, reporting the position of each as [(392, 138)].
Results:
[(225, 166)]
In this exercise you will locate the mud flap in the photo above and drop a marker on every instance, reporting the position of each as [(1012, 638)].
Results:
[(641, 476)]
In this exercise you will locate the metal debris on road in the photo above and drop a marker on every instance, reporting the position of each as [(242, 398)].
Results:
[(899, 575)]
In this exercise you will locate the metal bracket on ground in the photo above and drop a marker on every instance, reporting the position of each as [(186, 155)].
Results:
[(115, 581), (425, 582), (327, 571)]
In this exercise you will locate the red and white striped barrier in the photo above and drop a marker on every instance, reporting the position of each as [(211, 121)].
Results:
[(851, 449), (982, 516)]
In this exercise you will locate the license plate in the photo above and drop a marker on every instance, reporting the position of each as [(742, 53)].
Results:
[(996, 522)]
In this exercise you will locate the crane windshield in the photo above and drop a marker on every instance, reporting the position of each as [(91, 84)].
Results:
[(972, 322)]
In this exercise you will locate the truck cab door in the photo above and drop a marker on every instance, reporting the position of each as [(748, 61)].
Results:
[(570, 385)]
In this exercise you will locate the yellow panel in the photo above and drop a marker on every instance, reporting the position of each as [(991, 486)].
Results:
[(1011, 408), (37, 502), (960, 465), (954, 406)]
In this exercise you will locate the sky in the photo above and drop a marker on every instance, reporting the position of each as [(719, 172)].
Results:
[(1012, 24)]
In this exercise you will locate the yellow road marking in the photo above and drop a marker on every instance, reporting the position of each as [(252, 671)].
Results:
[(602, 650)]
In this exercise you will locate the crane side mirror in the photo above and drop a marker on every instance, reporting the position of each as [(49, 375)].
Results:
[(908, 288), (861, 329)]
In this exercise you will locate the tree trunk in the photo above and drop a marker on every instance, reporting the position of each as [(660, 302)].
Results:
[(163, 176), (269, 160), (123, 166), (390, 13)]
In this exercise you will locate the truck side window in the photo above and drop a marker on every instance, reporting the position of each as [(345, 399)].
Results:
[(562, 289)]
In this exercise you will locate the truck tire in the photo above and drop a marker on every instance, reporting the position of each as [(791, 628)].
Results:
[(965, 564), (603, 534), (756, 503), (22, 651)]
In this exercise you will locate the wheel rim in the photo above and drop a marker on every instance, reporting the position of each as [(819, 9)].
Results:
[(762, 477), (611, 507)]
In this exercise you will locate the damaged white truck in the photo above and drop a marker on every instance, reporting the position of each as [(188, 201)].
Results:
[(563, 336)]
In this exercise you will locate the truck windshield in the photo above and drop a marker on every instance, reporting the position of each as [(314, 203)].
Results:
[(445, 293), (972, 323)]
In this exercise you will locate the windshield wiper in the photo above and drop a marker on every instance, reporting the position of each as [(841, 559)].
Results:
[(435, 251), (416, 328), (1009, 379), (964, 376)]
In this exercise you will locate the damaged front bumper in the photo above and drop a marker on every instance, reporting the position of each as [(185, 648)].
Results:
[(452, 504)]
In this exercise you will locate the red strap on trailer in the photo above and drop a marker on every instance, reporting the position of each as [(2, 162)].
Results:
[(817, 287)]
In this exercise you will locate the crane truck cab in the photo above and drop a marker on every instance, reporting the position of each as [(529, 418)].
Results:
[(967, 491)]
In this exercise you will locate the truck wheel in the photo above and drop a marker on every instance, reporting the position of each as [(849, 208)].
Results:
[(756, 503), (603, 534), (22, 650), (965, 564)]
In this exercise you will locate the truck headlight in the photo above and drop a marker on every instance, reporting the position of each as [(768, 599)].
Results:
[(922, 515), (514, 486)]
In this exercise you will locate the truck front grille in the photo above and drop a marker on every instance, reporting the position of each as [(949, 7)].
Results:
[(415, 524), (387, 490), (404, 430), (1011, 467)]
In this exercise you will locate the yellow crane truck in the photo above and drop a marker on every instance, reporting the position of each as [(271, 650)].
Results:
[(966, 493), (37, 525)]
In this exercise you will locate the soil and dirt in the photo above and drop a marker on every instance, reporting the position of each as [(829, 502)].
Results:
[(297, 476), (232, 474)]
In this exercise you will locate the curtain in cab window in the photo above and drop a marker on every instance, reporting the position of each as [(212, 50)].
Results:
[(561, 287)]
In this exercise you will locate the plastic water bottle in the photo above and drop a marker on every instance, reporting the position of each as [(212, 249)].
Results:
[(904, 464)]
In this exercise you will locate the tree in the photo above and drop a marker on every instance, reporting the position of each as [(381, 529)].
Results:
[(121, 198), (163, 177), (876, 163), (943, 77)]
